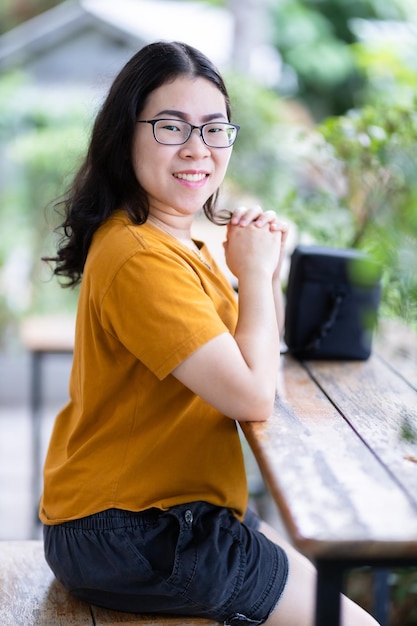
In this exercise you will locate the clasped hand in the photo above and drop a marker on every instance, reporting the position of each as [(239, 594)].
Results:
[(255, 241)]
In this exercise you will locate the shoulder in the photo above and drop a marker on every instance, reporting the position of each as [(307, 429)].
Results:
[(129, 253), (116, 233), (117, 240)]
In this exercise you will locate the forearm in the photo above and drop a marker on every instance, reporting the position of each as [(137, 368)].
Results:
[(238, 374), (257, 333), (279, 305)]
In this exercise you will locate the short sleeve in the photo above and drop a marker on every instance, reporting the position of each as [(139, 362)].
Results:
[(157, 307)]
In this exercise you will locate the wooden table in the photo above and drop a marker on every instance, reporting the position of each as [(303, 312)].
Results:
[(339, 455)]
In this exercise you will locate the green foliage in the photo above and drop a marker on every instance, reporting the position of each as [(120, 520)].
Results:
[(389, 70), (372, 152), (258, 163), (316, 39), (41, 141), (377, 147)]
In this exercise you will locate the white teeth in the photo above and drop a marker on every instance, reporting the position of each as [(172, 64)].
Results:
[(191, 177)]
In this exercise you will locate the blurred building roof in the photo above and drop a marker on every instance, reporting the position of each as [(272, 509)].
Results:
[(88, 41)]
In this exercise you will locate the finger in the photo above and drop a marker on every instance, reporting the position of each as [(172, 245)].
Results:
[(279, 225), (267, 217), (243, 215)]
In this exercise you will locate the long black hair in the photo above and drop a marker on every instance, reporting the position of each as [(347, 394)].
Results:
[(106, 180)]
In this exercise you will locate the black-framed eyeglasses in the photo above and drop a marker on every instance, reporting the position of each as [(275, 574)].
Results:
[(177, 132)]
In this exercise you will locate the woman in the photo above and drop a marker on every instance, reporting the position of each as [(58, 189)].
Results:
[(145, 498)]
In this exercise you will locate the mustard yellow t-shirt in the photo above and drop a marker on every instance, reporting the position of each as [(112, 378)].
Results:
[(132, 436)]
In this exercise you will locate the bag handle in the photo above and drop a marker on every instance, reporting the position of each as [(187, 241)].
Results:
[(326, 326)]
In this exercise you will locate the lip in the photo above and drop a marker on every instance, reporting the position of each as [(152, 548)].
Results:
[(194, 178)]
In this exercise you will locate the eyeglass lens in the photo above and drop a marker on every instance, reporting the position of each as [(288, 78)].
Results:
[(216, 134)]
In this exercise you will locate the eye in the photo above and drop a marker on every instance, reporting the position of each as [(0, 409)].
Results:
[(216, 128), (171, 127)]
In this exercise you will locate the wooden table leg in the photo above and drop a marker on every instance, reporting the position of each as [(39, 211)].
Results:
[(329, 588), (381, 596), (36, 423)]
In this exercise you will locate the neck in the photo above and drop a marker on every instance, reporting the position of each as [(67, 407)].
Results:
[(182, 234)]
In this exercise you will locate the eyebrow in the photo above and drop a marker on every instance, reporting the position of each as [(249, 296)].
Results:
[(183, 116)]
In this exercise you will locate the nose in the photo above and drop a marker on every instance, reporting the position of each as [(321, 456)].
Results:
[(195, 144)]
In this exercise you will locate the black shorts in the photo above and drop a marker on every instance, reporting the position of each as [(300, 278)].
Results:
[(193, 559)]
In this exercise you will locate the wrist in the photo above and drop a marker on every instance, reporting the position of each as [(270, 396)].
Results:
[(260, 277)]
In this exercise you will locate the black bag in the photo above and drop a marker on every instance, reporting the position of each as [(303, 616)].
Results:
[(333, 297)]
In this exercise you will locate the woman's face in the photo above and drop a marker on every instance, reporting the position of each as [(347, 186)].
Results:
[(180, 178)]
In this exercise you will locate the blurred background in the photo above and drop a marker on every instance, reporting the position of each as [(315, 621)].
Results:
[(325, 92)]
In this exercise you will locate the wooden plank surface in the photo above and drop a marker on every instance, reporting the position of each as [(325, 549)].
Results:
[(29, 593), (381, 407), (396, 344), (31, 596), (114, 618), (334, 495), (48, 333)]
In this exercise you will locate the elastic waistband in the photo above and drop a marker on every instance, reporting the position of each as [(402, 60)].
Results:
[(115, 518)]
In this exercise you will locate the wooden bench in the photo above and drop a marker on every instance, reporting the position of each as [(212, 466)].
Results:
[(339, 455), (31, 596)]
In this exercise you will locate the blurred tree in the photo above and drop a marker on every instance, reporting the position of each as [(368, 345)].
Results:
[(315, 39)]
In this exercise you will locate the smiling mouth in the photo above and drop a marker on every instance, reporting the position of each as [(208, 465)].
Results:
[(192, 178)]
